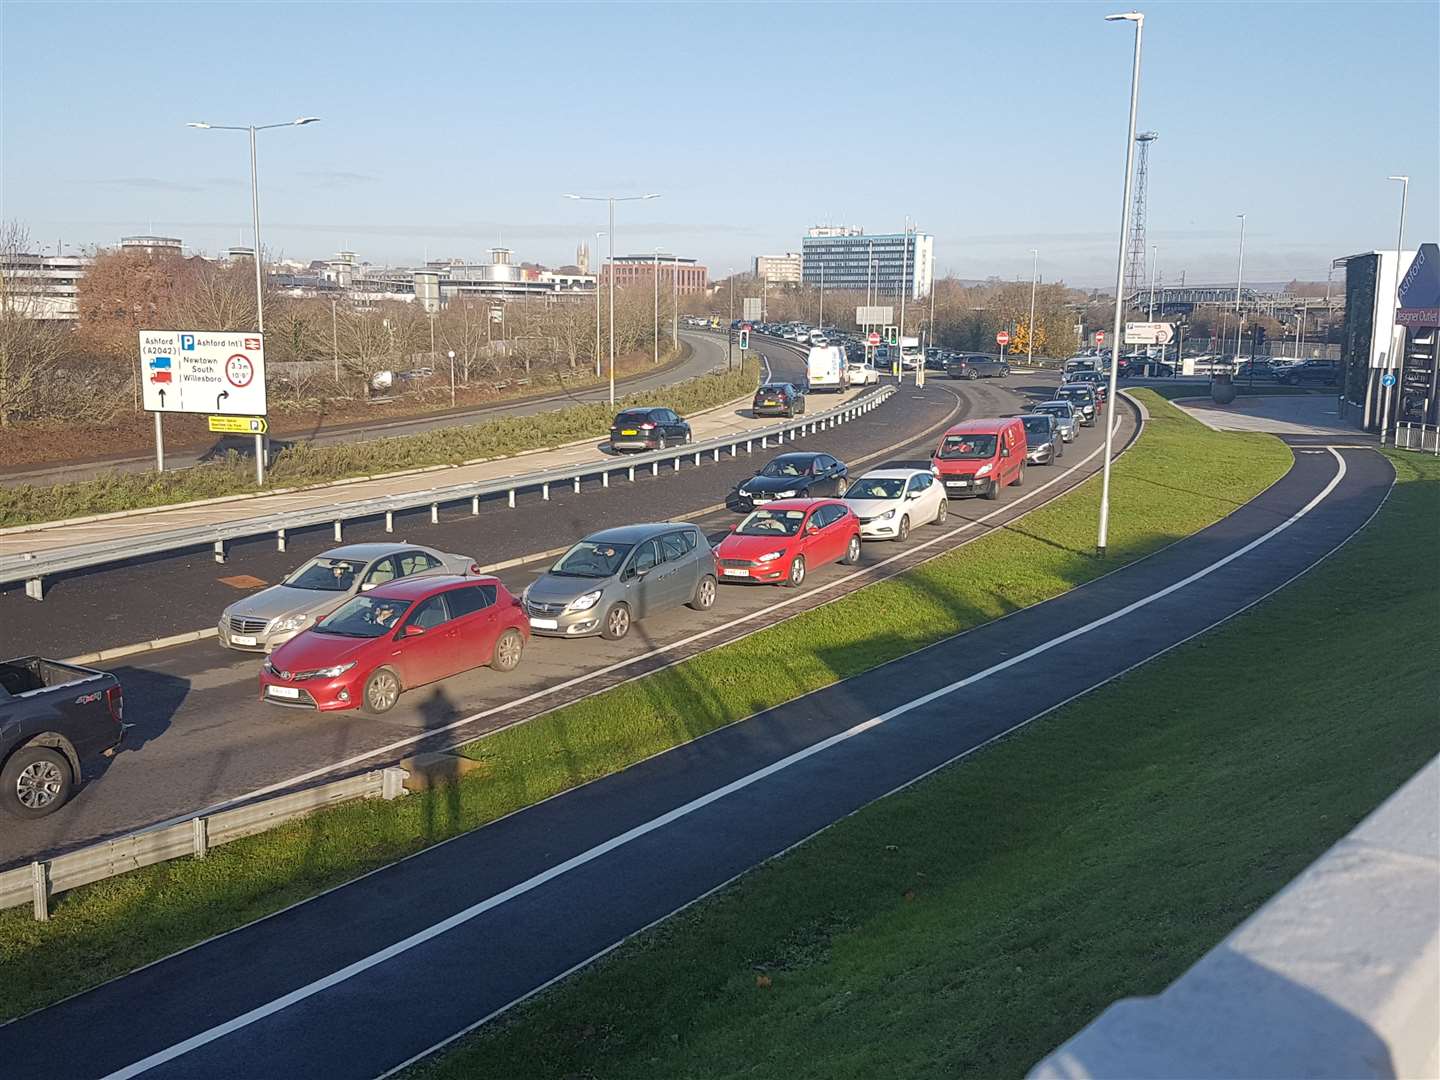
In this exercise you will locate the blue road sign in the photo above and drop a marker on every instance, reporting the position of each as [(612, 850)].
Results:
[(187, 342), (1388, 379)]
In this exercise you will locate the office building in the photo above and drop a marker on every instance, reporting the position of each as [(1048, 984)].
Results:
[(779, 269), (843, 257), (151, 245), (641, 269), (43, 287)]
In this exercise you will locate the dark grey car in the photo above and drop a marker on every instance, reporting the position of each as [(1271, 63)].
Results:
[(1043, 443), (614, 577)]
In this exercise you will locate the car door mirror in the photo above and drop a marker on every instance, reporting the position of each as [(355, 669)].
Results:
[(413, 630), (366, 586)]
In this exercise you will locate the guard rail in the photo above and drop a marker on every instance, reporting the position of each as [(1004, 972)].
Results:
[(34, 568)]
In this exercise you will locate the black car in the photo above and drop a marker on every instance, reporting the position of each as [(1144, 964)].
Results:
[(976, 367), (647, 429), (1083, 398), (1043, 444), (1140, 368), (54, 718), (1309, 373), (778, 399), (791, 476)]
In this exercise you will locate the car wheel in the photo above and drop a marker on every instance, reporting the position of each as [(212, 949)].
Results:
[(616, 624), (852, 551), (1005, 372), (35, 781), (973, 375), (662, 444), (704, 598), (993, 491), (1019, 480), (903, 533), (508, 649), (942, 515), (382, 691), (797, 572)]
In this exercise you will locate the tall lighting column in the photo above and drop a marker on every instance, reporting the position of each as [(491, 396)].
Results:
[(1030, 326)]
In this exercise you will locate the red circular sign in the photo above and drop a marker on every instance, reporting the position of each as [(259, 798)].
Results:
[(874, 338), (239, 370), (1002, 338), (1099, 337)]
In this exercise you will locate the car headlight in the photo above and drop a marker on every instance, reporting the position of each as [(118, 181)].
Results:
[(886, 516), (934, 470), (334, 672), (584, 603), (770, 556), (785, 494), (293, 622), (983, 469)]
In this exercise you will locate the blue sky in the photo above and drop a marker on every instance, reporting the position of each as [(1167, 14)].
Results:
[(998, 127)]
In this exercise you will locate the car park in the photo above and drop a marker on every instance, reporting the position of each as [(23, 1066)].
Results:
[(1043, 442), (971, 366), (1067, 420), (395, 638), (778, 399), (265, 620), (889, 502), (616, 577), (797, 475), (652, 428), (54, 719), (778, 544), (1084, 400), (979, 457)]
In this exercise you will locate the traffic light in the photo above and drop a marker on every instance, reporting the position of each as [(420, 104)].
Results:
[(892, 335), (744, 340), (1259, 337)]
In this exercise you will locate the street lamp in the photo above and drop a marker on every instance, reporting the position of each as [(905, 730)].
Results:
[(675, 306), (1239, 277), (612, 200), (1390, 360), (598, 235), (255, 213), (451, 354), (657, 307), (1139, 20), (1030, 326)]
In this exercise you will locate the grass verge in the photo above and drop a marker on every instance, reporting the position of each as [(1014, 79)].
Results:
[(113, 926), (970, 924), (1172, 391), (307, 463)]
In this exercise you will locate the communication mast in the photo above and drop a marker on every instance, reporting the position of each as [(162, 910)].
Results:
[(1135, 259)]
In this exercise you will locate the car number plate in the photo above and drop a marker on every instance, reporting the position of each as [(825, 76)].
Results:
[(545, 624), (283, 691), (242, 639), (629, 431), (731, 572), (767, 401), (957, 483)]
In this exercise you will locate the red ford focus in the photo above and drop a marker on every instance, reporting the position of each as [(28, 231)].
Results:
[(402, 635), (780, 540)]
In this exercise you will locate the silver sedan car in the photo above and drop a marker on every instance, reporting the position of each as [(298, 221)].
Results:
[(1066, 418), (263, 621)]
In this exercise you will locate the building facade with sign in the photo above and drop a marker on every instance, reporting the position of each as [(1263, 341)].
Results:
[(883, 265), (1375, 343)]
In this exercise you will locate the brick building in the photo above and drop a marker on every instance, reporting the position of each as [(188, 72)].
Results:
[(640, 270)]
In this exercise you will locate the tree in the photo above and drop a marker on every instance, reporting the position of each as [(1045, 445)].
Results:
[(32, 348)]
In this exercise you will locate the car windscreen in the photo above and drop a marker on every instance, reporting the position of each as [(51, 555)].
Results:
[(877, 487), (592, 559), (1037, 425), (771, 523), (771, 389), (787, 467), (363, 617), (960, 447), (632, 419), (1079, 393), (1059, 409), (326, 575)]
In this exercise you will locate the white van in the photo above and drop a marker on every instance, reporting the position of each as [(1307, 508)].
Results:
[(825, 368)]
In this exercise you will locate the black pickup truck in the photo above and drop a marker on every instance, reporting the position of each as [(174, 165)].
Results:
[(54, 717)]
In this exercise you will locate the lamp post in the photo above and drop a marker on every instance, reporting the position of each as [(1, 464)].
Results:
[(612, 200), (730, 326), (1239, 277), (656, 360), (1390, 361), (675, 306), (1030, 326), (1139, 20), (451, 354), (335, 335), (255, 217), (598, 235)]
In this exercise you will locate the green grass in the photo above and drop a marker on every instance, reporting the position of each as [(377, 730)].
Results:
[(1172, 391), (967, 926), (307, 463), (112, 926)]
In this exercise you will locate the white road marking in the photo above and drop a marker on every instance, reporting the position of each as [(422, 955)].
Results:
[(472, 912)]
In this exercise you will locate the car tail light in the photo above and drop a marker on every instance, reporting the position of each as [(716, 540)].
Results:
[(475, 568), (646, 426), (115, 702)]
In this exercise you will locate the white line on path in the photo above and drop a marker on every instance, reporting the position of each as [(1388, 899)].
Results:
[(472, 912)]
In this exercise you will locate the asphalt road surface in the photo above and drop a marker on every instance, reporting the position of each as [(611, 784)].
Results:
[(707, 351), (366, 977), (202, 738)]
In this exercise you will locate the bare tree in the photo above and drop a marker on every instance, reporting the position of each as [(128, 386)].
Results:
[(32, 346)]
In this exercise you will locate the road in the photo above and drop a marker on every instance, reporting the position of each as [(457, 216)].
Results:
[(367, 977), (707, 350), (202, 738)]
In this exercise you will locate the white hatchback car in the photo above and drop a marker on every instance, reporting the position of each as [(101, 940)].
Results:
[(862, 375), (889, 502)]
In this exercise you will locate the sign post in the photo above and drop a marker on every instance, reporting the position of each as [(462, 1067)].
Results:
[(1002, 339), (159, 445)]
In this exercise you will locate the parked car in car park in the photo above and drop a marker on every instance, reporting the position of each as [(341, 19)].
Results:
[(778, 543), (889, 502), (616, 577), (1084, 400), (1066, 418), (979, 457), (798, 475), (648, 429), (265, 620), (778, 399), (54, 719), (1309, 373), (976, 367), (1043, 442)]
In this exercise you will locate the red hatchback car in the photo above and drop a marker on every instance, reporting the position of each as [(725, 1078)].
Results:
[(779, 541), (402, 635)]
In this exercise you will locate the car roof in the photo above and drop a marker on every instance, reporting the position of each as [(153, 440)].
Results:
[(798, 504), (640, 409), (987, 426), (893, 474), (1053, 401), (369, 551), (799, 455), (636, 534), (421, 585)]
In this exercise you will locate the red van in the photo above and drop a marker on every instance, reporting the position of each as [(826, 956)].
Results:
[(979, 457)]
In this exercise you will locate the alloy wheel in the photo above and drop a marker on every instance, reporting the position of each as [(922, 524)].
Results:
[(39, 784), (383, 691)]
